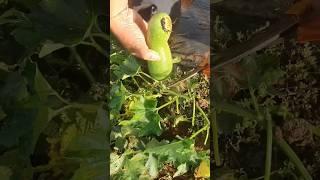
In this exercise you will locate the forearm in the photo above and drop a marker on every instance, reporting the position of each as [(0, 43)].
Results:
[(117, 6)]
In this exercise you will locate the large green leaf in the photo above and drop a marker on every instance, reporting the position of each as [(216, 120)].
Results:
[(89, 147), (118, 95), (145, 120), (27, 114), (127, 66), (91, 150), (61, 21), (49, 47), (23, 126), (177, 152), (133, 168), (13, 89), (19, 164)]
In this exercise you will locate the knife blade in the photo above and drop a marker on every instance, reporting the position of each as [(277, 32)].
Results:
[(263, 38)]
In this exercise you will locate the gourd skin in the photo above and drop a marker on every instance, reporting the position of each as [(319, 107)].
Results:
[(159, 30)]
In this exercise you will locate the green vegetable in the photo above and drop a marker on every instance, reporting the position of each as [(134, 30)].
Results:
[(159, 30)]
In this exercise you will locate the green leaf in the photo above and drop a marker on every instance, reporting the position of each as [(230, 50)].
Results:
[(14, 89), (102, 118), (42, 86), (89, 147), (12, 16), (61, 21), (127, 68), (145, 121), (19, 164), (118, 95), (5, 173), (48, 48), (177, 152), (182, 169), (27, 37), (91, 150), (24, 125), (152, 166), (68, 136), (134, 167), (26, 115), (3, 2), (91, 171), (117, 163), (40, 123), (39, 85)]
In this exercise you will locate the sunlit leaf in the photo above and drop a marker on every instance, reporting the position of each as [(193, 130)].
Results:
[(152, 166), (182, 169), (145, 121)]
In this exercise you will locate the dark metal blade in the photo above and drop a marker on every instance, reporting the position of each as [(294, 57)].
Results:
[(256, 43)]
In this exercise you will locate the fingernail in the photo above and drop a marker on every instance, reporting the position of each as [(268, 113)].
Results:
[(153, 56)]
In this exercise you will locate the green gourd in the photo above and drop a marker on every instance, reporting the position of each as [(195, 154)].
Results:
[(159, 31)]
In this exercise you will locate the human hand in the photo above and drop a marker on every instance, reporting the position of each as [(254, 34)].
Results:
[(130, 29)]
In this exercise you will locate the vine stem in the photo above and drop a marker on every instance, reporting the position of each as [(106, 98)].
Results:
[(199, 131), (207, 120), (83, 65), (42, 168), (254, 101), (177, 106), (144, 79), (59, 97), (102, 35), (193, 111), (147, 75), (293, 158), (97, 47), (203, 114), (167, 104), (74, 105), (135, 81), (215, 136), (267, 171), (175, 94)]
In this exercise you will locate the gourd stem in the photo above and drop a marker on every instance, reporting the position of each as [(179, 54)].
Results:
[(267, 172), (193, 110), (207, 120), (167, 104), (293, 158), (215, 136)]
